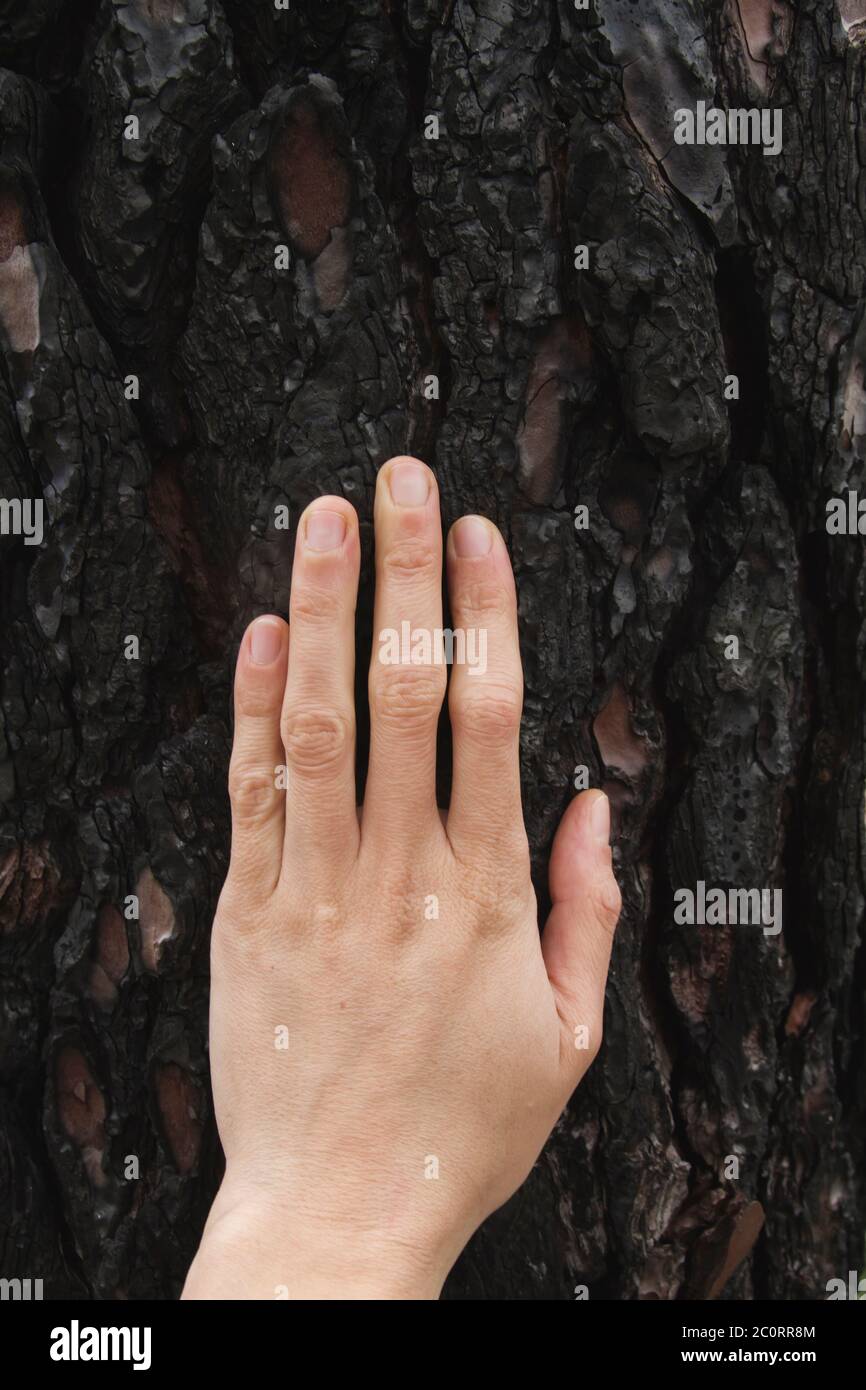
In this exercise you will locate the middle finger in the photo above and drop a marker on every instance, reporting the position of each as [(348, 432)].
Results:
[(407, 671)]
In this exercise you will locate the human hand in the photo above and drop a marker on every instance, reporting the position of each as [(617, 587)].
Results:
[(432, 1038)]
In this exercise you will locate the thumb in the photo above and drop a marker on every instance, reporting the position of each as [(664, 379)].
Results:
[(578, 936)]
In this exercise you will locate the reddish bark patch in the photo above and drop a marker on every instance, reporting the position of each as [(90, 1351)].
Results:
[(12, 229), (180, 1105), (209, 600), (19, 283), (313, 184), (563, 354), (81, 1110), (331, 269), (626, 515), (111, 952), (80, 1102), (854, 406), (739, 1236), (619, 745), (765, 26), (799, 1013), (727, 1228), (156, 919), (10, 888), (819, 1098), (660, 565), (162, 11)]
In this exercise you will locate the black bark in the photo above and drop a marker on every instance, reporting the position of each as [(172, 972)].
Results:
[(166, 386)]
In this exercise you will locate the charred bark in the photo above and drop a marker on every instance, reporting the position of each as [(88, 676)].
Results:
[(260, 288)]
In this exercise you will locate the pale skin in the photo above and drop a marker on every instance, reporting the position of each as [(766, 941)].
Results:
[(416, 1044)]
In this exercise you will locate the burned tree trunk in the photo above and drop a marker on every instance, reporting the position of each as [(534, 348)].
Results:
[(247, 253)]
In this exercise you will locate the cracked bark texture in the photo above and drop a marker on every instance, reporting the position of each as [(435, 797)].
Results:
[(558, 388)]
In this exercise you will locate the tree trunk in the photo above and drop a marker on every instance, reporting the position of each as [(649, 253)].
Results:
[(278, 279)]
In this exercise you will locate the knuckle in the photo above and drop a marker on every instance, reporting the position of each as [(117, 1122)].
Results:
[(314, 605), (500, 854), (410, 559), (505, 903), (258, 699), (314, 739), (408, 695), (252, 793), (484, 598), (607, 900), (238, 934), (491, 713)]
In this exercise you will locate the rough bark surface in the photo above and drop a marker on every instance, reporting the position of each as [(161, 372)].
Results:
[(559, 388)]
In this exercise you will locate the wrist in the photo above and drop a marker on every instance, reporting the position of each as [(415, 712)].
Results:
[(256, 1248)]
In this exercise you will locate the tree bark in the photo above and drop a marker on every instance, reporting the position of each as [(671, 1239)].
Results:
[(167, 387)]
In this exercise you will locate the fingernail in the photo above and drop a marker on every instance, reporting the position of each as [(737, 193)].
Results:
[(266, 641), (325, 530), (410, 484), (601, 819), (472, 537)]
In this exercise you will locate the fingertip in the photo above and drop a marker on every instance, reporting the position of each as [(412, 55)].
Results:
[(396, 460), (480, 575), (406, 481), (265, 640), (256, 804), (595, 815), (471, 538), (586, 904), (582, 840), (328, 524)]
